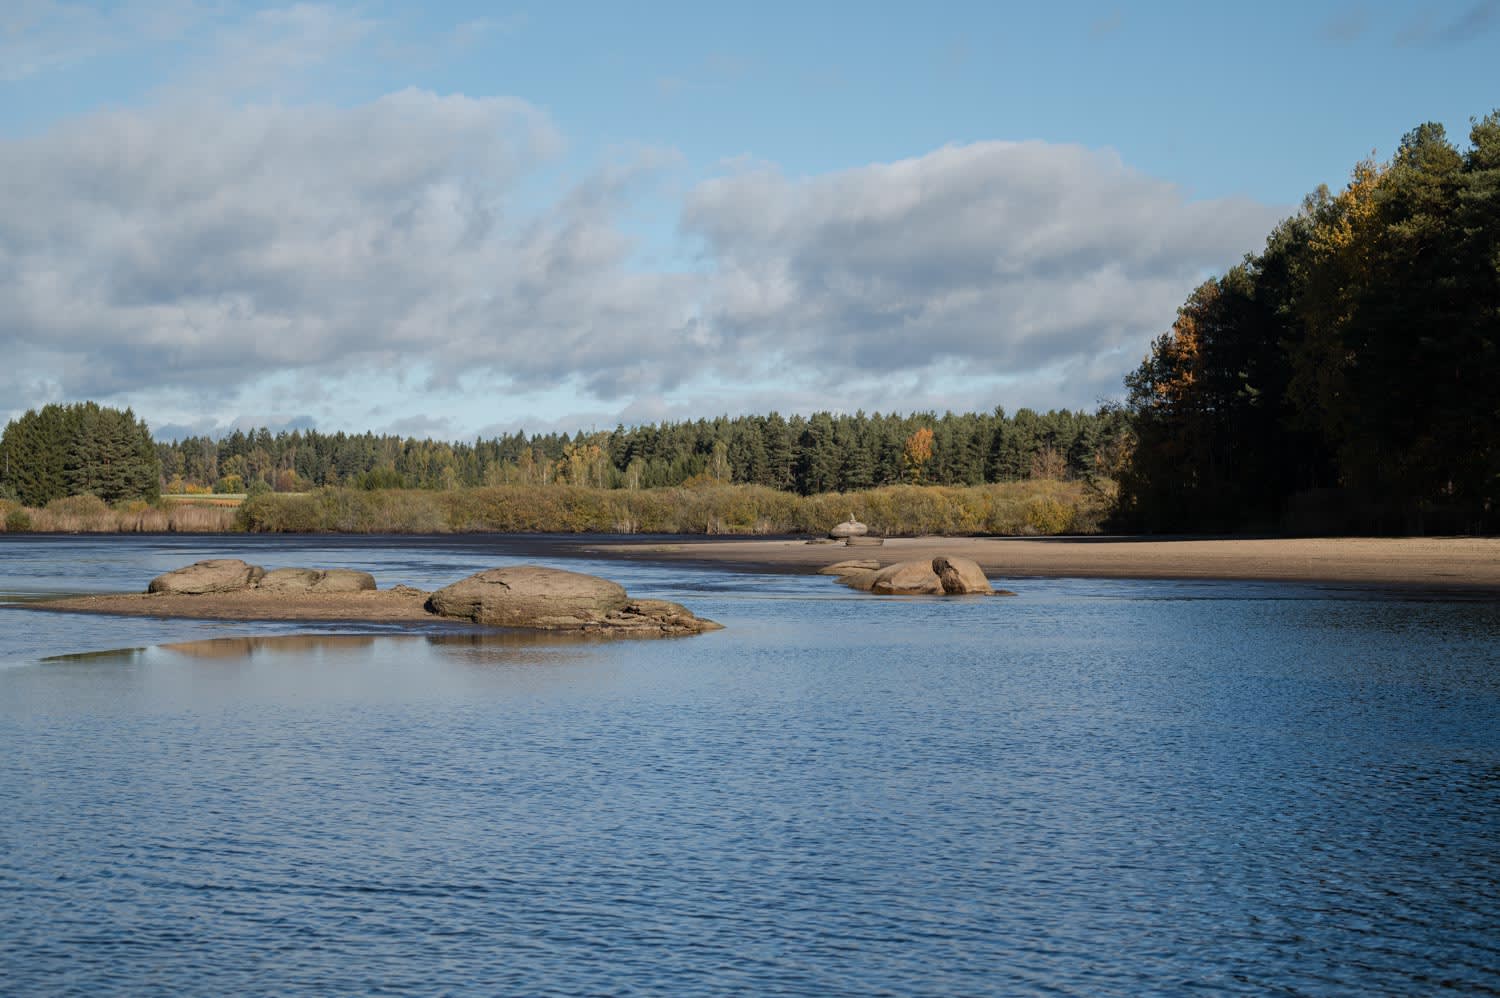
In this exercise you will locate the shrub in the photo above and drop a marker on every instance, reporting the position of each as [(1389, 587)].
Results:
[(17, 521), (1045, 515)]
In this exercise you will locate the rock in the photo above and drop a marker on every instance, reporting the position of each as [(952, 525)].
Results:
[(850, 567), (314, 580), (907, 578), (861, 579), (530, 596), (960, 576), (552, 599), (289, 580), (849, 528), (344, 580), (217, 575), (651, 617)]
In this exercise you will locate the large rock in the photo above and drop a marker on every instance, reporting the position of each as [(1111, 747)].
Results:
[(907, 578), (217, 575), (344, 580), (314, 580), (960, 576), (530, 596), (552, 599), (849, 528)]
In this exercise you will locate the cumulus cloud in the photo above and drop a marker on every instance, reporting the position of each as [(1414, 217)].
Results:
[(219, 254), (206, 245), (1003, 257)]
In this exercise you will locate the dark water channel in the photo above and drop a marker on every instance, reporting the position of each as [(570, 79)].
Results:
[(1095, 788)]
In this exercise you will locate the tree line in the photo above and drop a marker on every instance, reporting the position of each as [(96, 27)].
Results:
[(1347, 377), (824, 452)]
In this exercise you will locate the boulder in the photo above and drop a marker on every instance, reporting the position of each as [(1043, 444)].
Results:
[(315, 580), (849, 528), (960, 576), (530, 596), (655, 617), (907, 578), (553, 599), (861, 579), (344, 580), (850, 567), (289, 580), (217, 575)]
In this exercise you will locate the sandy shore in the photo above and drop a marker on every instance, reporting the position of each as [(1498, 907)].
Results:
[(1427, 562), (388, 606)]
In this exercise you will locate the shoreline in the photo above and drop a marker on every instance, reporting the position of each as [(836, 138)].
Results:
[(1469, 564), (382, 606)]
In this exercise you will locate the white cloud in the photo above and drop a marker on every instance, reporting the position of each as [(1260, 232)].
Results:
[(215, 254), (1004, 257)]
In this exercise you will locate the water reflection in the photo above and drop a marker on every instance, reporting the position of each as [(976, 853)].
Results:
[(489, 645)]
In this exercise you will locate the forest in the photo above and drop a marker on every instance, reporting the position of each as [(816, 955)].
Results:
[(825, 452), (1346, 378)]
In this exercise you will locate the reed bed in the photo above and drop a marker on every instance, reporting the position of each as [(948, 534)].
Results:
[(90, 515), (1033, 507)]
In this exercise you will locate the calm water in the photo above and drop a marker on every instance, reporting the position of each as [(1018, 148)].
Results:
[(1095, 788)]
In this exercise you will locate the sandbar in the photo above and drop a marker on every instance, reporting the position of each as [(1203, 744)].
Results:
[(1471, 563), (402, 605)]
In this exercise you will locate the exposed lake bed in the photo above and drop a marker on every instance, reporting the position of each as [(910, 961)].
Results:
[(1099, 786)]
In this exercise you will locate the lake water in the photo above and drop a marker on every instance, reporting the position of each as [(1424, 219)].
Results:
[(1094, 788)]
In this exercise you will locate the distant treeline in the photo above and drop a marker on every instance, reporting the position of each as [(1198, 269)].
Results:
[(1346, 377), (816, 454)]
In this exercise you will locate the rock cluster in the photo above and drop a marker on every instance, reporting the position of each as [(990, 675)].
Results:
[(528, 596), (942, 576), (231, 575), (554, 599)]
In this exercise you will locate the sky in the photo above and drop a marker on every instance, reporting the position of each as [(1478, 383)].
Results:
[(464, 219)]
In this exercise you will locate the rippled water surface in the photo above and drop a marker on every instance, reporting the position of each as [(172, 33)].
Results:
[(1094, 788)]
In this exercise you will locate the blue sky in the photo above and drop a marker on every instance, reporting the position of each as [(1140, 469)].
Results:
[(465, 218)]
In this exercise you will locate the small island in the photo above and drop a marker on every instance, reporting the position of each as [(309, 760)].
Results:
[(523, 596)]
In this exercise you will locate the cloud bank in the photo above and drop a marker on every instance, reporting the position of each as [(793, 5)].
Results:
[(204, 248)]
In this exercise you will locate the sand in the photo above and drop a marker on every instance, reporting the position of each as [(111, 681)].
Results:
[(1425, 562), (401, 605)]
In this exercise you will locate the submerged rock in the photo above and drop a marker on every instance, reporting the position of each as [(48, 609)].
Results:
[(216, 575), (554, 599)]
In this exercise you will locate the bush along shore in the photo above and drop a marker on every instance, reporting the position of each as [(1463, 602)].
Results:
[(1032, 507)]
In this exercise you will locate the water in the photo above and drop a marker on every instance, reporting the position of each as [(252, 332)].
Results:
[(1095, 788)]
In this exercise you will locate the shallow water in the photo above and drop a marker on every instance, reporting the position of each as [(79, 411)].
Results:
[(1096, 787)]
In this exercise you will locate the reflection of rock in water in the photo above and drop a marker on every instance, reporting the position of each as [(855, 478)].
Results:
[(113, 654), (285, 644)]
